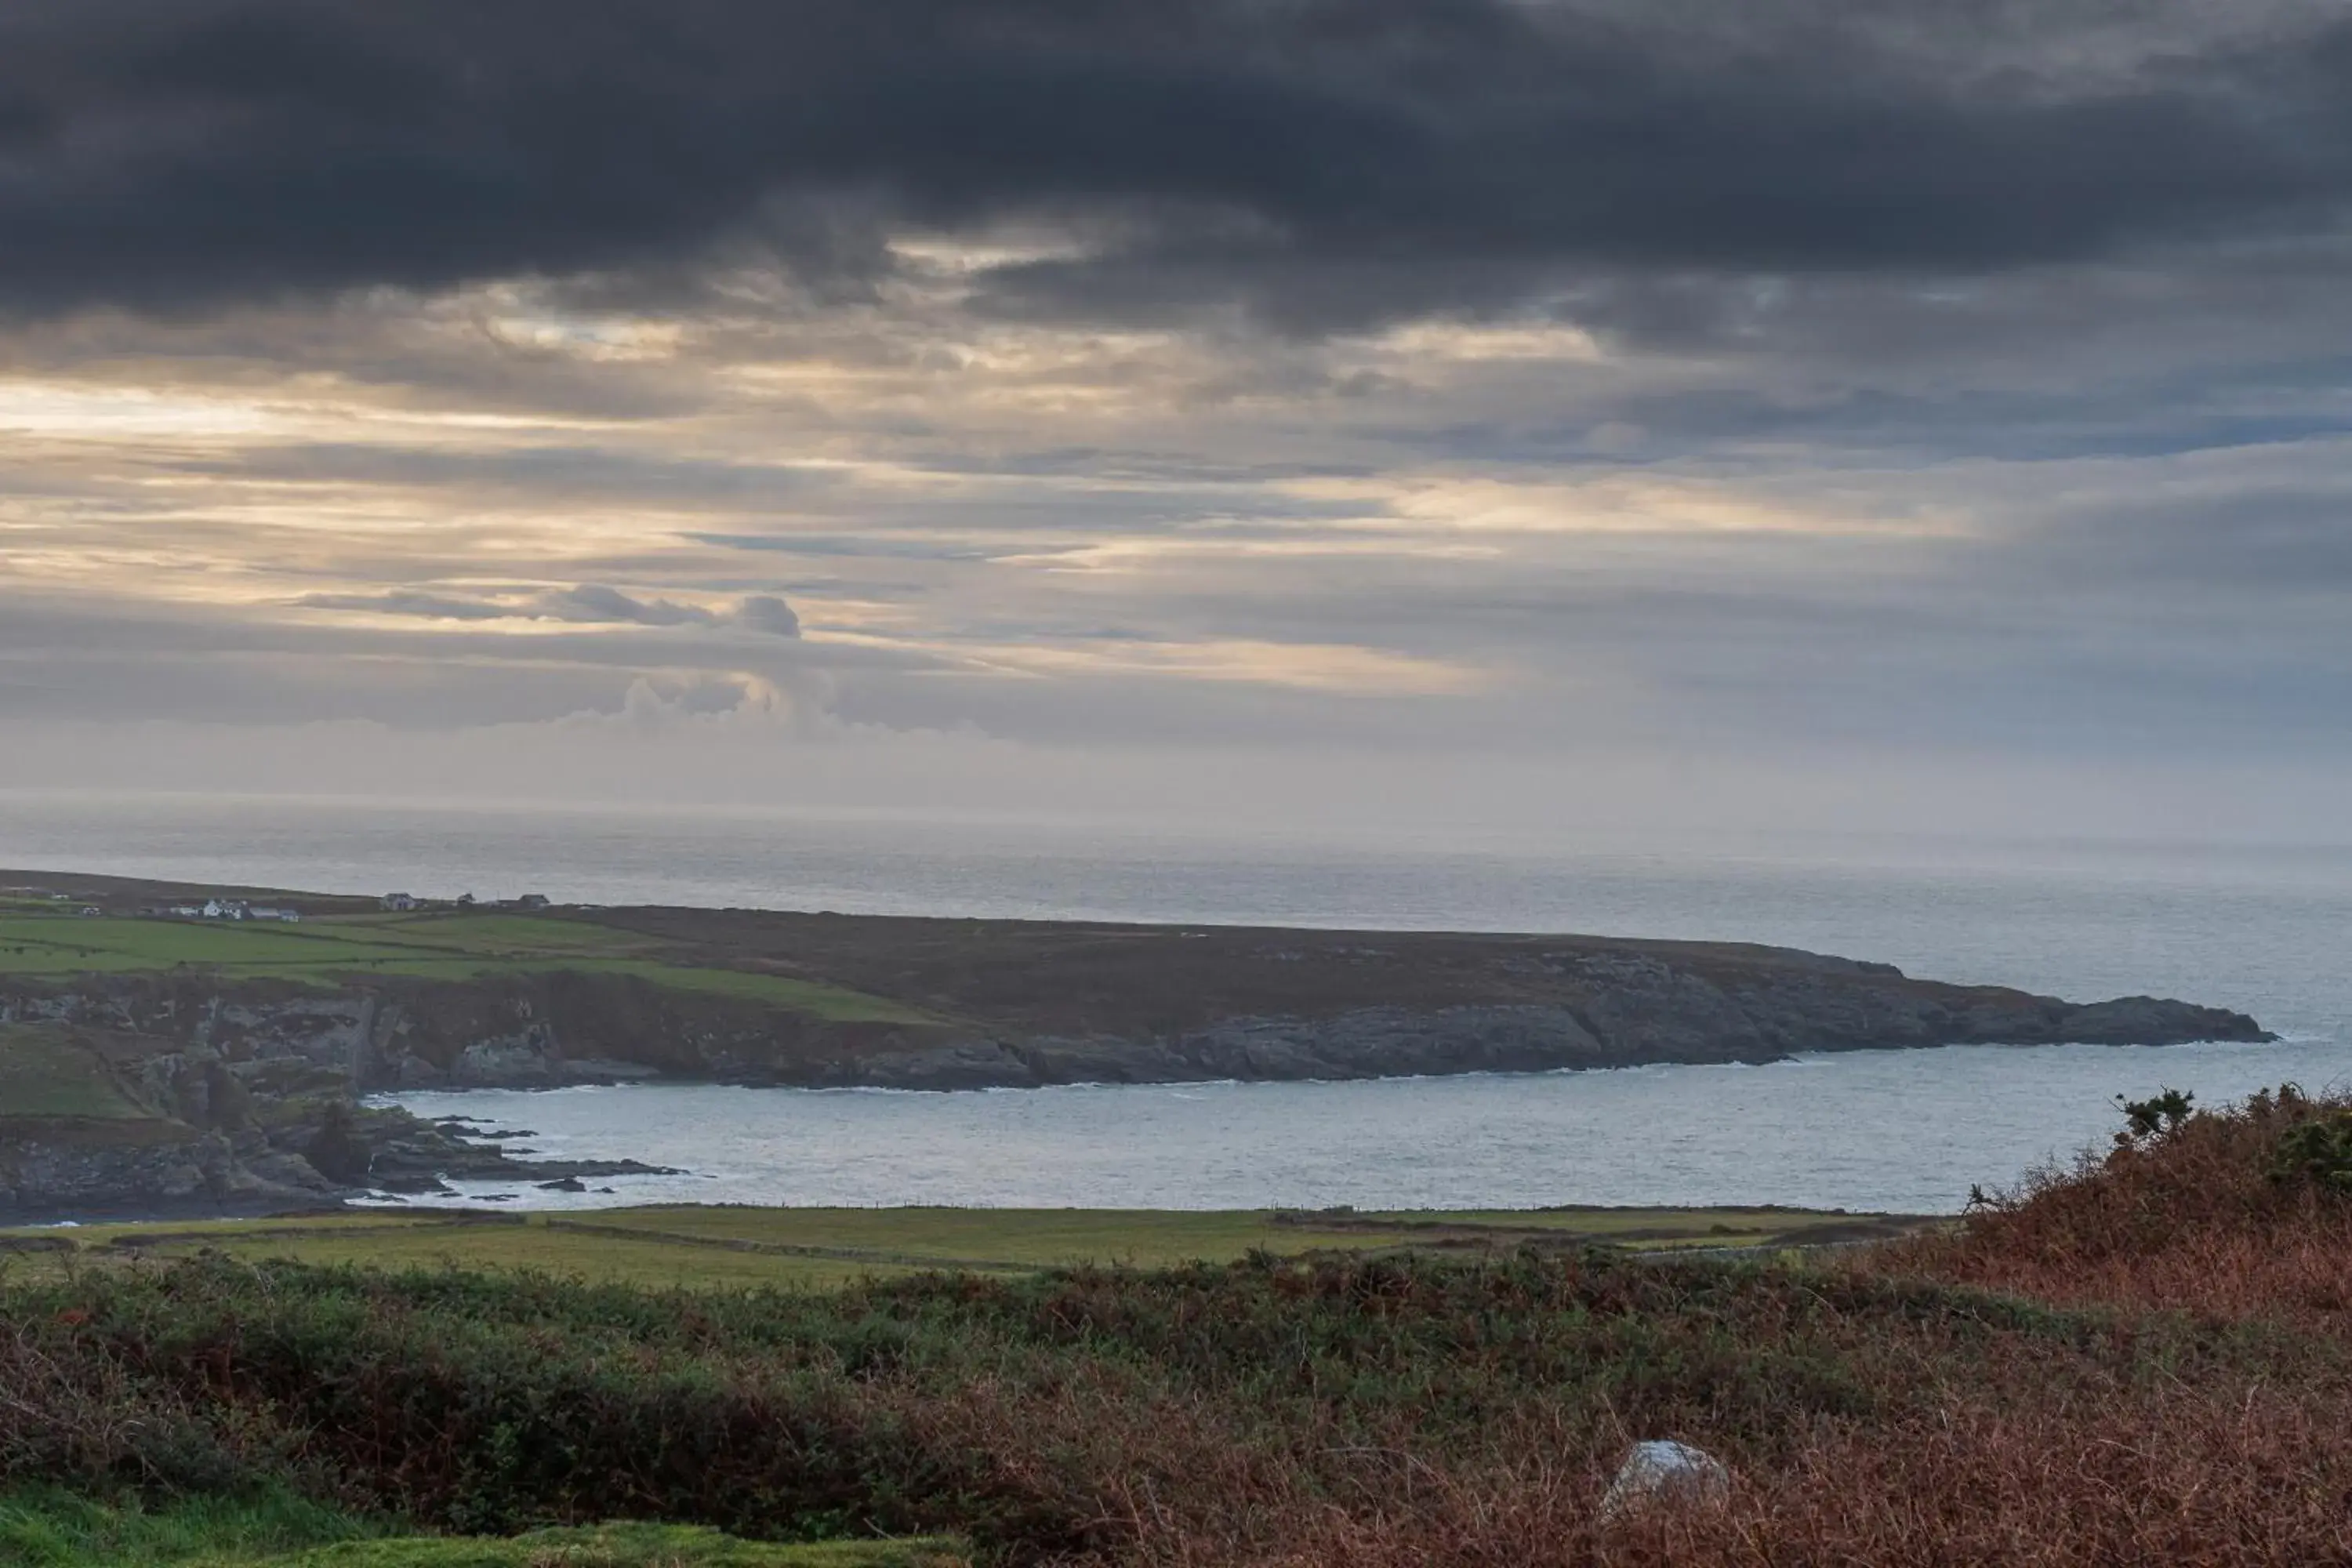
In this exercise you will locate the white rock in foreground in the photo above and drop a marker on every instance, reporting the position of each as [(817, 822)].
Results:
[(1662, 1472)]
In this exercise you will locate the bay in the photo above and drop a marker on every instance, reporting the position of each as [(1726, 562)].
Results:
[(2264, 928), (1902, 1131)]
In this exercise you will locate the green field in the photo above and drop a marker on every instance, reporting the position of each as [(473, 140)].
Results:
[(816, 1248), (334, 950)]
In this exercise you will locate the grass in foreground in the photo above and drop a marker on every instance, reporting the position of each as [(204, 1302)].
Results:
[(46, 1528), (2058, 1382)]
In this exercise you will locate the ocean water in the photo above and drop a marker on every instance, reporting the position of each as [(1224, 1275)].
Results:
[(2265, 929), (1902, 1131)]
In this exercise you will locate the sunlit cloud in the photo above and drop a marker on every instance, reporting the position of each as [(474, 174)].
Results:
[(1509, 435), (1337, 668), (98, 415)]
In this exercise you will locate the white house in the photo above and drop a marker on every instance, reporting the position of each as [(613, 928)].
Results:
[(397, 901), (291, 917)]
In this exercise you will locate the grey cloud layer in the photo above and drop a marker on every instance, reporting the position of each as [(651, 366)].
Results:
[(1339, 156), (588, 603), (1965, 380)]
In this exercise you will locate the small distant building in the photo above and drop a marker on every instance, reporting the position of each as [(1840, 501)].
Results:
[(290, 917), (226, 909), (532, 901), (400, 901), (187, 911), (91, 911)]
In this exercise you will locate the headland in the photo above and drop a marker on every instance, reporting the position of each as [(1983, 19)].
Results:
[(167, 1050)]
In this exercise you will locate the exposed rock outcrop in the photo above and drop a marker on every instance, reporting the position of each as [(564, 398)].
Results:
[(218, 1121), (64, 1169)]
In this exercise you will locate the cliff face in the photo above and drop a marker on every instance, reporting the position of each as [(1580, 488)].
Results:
[(137, 1100), (63, 1171), (1049, 1003), (89, 1121), (1390, 1042), (1523, 1005), (183, 1092)]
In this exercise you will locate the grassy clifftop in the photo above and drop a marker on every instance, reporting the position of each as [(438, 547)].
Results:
[(50, 1075), (58, 1090), (1065, 985), (334, 950)]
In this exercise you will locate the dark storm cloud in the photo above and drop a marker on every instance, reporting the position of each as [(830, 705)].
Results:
[(174, 153)]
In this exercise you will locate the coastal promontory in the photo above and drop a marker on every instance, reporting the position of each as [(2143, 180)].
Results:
[(161, 1037)]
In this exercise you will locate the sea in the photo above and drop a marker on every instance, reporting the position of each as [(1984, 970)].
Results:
[(2266, 928)]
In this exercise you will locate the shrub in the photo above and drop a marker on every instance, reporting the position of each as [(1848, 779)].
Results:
[(2159, 1116), (2236, 1212), (2143, 1357), (2318, 1152)]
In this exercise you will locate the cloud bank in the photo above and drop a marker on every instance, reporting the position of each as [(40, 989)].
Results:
[(1567, 389), (1338, 157)]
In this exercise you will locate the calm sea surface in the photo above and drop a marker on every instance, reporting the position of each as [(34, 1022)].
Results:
[(2265, 929)]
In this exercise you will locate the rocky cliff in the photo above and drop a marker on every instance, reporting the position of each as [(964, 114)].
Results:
[(248, 1092), (251, 1109), (1356, 1007)]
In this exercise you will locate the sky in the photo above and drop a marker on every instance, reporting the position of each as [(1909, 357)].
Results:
[(1545, 416)]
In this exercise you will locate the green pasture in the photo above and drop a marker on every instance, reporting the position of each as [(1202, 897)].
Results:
[(1650, 1228), (998, 1238), (69, 944), (1147, 1239), (727, 1249), (432, 946)]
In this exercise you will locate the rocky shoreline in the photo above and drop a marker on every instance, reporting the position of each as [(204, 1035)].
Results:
[(231, 1097), (318, 1151)]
